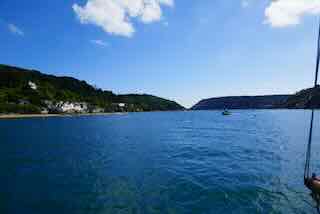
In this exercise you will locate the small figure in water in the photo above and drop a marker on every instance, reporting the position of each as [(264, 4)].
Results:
[(226, 112)]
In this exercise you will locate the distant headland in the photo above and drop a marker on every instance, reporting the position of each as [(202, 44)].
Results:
[(304, 99)]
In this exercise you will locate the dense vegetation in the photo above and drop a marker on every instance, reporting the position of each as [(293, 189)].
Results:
[(242, 102), (17, 96), (305, 99)]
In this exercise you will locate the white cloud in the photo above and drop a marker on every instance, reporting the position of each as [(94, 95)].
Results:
[(115, 16), (15, 30), (99, 42), (282, 13)]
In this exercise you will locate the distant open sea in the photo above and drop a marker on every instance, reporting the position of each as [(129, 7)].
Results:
[(158, 163)]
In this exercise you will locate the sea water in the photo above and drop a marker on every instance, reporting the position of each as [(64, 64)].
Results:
[(160, 162)]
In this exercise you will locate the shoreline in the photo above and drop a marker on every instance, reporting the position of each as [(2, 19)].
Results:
[(26, 116), (22, 116)]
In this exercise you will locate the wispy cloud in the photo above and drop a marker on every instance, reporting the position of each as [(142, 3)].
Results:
[(283, 13), (245, 3), (115, 17), (99, 42), (15, 30)]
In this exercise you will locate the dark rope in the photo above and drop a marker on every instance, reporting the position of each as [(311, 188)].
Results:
[(307, 180), (308, 154), (318, 61)]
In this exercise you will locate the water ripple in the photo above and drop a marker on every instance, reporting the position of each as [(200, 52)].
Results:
[(173, 162)]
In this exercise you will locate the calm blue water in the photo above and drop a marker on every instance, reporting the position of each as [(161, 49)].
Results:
[(174, 162)]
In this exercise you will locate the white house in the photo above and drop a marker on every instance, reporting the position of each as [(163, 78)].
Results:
[(69, 107), (73, 107), (32, 85), (121, 105)]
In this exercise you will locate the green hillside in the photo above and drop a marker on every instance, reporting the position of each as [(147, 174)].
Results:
[(305, 99), (30, 91)]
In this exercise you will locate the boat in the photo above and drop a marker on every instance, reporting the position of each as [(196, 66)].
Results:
[(226, 112)]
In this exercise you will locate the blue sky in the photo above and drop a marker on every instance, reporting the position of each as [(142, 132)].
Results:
[(183, 50)]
